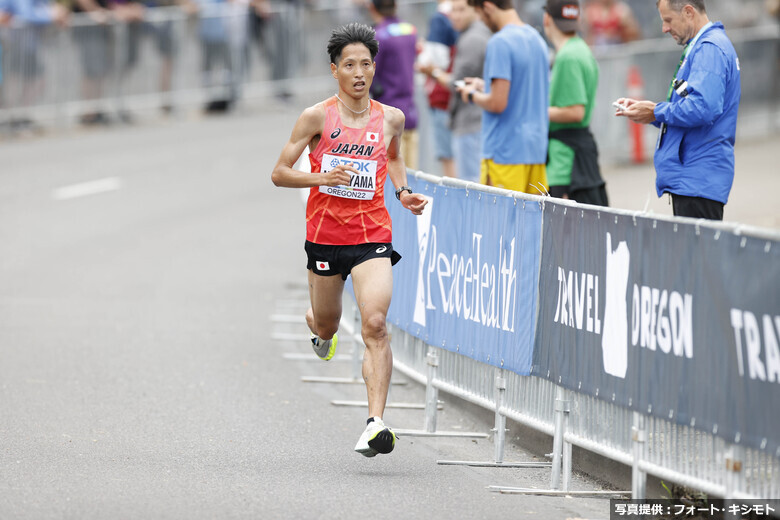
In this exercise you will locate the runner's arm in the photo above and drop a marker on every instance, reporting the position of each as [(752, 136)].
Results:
[(396, 169), (308, 126)]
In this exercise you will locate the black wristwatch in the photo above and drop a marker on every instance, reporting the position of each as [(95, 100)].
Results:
[(471, 96), (399, 190)]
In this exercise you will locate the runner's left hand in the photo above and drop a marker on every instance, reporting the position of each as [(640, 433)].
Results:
[(414, 202)]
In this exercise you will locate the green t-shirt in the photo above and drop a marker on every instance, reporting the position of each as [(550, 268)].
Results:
[(573, 81)]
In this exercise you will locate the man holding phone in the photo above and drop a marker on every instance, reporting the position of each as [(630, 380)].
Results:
[(513, 94), (694, 157)]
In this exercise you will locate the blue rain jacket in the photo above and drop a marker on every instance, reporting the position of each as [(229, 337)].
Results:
[(695, 157)]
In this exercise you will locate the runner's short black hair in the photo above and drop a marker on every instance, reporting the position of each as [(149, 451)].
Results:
[(348, 34)]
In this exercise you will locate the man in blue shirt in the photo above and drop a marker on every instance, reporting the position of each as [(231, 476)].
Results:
[(694, 158), (513, 94)]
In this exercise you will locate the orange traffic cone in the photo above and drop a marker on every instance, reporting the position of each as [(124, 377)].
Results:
[(636, 131)]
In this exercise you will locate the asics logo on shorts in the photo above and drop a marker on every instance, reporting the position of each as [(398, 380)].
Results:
[(381, 250)]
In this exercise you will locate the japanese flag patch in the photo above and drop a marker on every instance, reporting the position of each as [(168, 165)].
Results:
[(373, 137), (323, 266)]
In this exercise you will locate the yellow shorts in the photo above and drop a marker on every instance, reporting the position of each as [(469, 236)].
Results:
[(528, 178), (410, 145)]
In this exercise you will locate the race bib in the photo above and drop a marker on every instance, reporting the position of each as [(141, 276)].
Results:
[(362, 185)]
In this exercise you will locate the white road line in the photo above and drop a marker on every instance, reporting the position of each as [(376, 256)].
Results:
[(85, 189)]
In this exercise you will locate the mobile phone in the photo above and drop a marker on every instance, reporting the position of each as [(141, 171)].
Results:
[(459, 83), (619, 107)]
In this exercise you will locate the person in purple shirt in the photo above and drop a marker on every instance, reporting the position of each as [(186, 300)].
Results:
[(394, 78)]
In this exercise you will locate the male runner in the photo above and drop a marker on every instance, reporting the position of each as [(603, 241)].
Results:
[(356, 145)]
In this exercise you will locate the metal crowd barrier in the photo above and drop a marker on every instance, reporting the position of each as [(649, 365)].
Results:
[(172, 60), (646, 444)]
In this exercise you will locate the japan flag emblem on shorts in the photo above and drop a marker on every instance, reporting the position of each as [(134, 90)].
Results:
[(373, 137), (323, 266)]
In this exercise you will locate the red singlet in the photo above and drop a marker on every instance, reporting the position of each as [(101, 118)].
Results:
[(354, 214)]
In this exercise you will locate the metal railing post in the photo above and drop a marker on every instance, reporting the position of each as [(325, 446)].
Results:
[(431, 392), (500, 423), (639, 439), (734, 458), (561, 404), (566, 462)]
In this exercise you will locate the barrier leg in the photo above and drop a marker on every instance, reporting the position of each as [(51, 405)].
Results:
[(431, 392), (432, 404), (500, 423), (566, 457), (734, 457), (639, 477), (555, 477)]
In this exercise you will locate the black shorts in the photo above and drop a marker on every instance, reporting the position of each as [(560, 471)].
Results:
[(696, 207), (594, 196), (332, 260)]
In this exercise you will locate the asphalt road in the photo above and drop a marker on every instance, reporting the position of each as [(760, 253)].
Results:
[(138, 378)]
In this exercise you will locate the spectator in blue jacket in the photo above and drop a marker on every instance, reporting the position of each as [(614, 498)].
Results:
[(694, 157)]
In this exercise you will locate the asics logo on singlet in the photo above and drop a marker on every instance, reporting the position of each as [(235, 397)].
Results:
[(353, 149), (381, 250), (336, 133)]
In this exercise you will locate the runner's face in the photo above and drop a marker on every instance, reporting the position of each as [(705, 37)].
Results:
[(355, 70)]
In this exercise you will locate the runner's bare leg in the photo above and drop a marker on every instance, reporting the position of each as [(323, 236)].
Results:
[(325, 312), (373, 282)]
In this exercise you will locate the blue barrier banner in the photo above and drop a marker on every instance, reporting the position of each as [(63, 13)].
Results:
[(665, 318), (469, 275)]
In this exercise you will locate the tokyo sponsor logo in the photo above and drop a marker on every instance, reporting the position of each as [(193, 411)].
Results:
[(660, 319)]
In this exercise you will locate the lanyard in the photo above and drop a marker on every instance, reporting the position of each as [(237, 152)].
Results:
[(686, 51)]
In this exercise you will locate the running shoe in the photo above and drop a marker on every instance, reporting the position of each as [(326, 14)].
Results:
[(376, 438), (325, 349)]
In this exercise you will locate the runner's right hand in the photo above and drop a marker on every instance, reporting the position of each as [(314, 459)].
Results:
[(338, 176)]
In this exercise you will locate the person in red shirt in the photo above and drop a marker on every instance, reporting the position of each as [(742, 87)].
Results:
[(609, 22), (355, 143)]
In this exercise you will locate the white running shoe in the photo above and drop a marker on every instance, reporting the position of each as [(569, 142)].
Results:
[(376, 438), (325, 349)]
